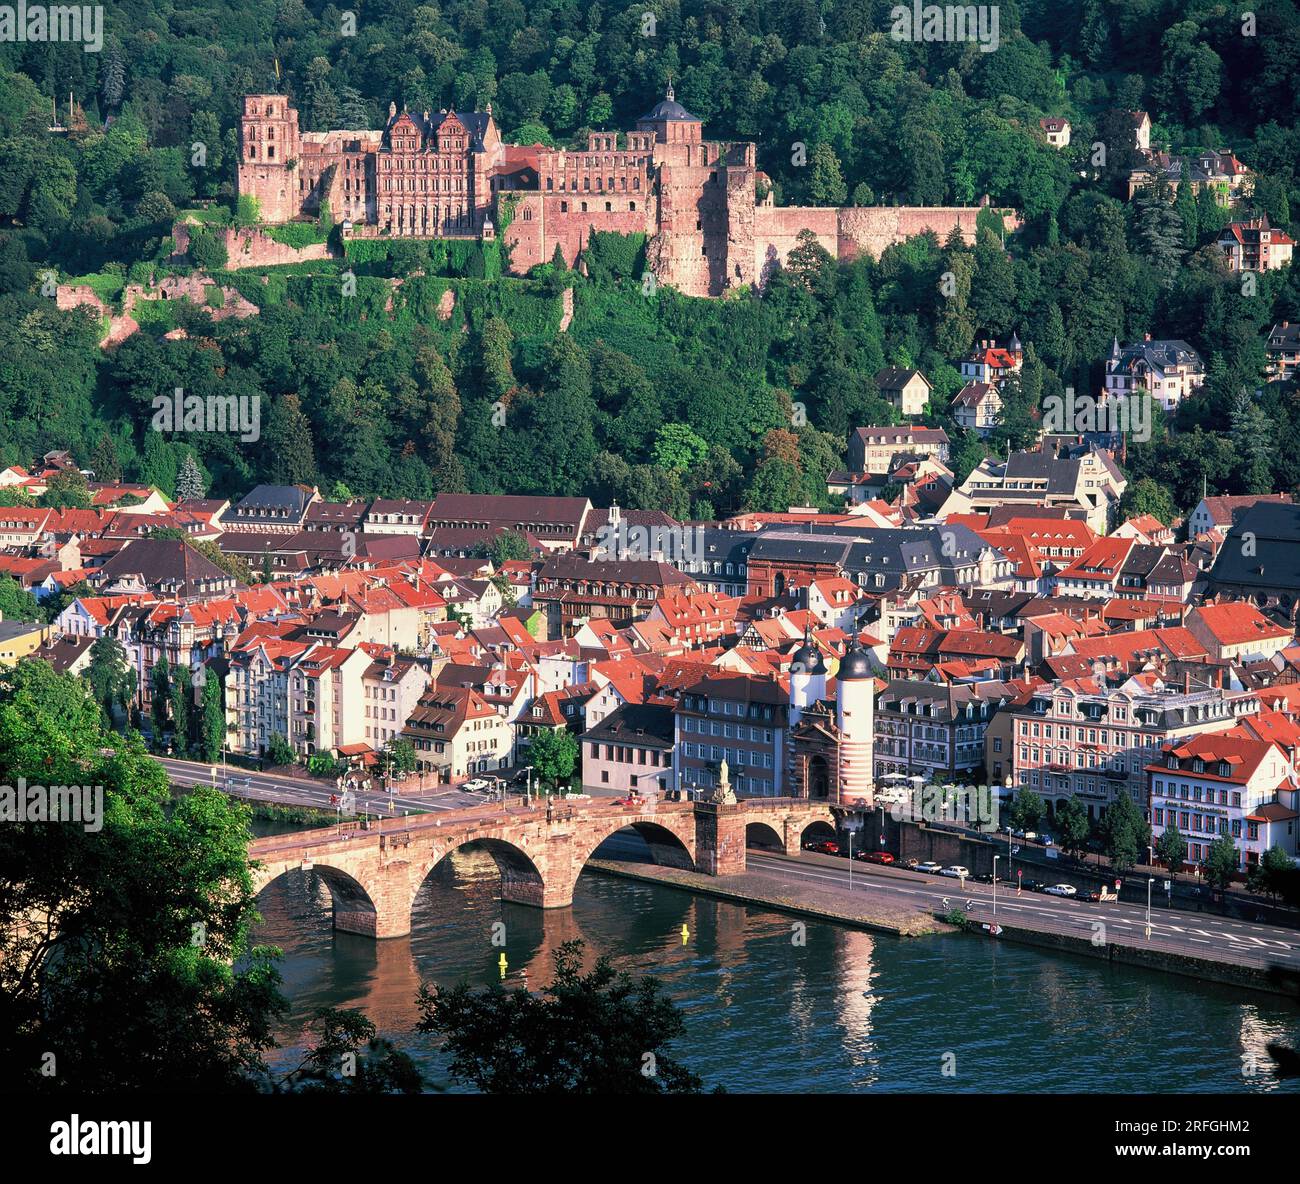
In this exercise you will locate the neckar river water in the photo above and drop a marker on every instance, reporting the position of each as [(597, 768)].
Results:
[(846, 1012)]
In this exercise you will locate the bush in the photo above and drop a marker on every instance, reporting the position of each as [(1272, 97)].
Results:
[(207, 250), (297, 234)]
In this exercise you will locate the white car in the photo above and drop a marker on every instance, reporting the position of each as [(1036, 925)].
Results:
[(1061, 890), (956, 871), (929, 866), (477, 785)]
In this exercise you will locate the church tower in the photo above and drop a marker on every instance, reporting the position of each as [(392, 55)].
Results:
[(855, 721), (807, 678)]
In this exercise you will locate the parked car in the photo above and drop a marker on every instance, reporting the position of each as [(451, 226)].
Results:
[(1033, 885), (929, 866), (1061, 890), (1090, 894), (477, 785), (823, 846), (912, 863), (876, 856), (1046, 840), (956, 871)]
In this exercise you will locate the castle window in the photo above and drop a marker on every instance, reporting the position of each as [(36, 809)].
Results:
[(608, 206), (631, 205), (270, 152), (549, 181), (564, 207), (584, 207), (528, 215)]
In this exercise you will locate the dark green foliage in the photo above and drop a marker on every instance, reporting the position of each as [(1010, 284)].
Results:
[(598, 1033), (879, 121)]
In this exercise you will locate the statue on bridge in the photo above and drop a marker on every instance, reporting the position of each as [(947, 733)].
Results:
[(724, 795)]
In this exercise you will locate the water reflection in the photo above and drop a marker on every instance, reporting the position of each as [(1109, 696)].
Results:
[(841, 1011)]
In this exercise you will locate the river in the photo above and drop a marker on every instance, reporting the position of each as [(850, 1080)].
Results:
[(845, 1011)]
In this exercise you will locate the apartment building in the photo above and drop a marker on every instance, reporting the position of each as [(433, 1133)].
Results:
[(456, 733), (936, 730), (907, 391), (390, 689), (739, 718), (1210, 786), (630, 750), (875, 449), (1237, 632), (1079, 479), (1082, 739)]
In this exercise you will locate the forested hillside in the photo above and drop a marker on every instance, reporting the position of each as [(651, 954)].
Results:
[(695, 406)]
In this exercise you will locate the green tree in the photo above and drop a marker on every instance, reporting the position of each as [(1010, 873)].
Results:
[(1275, 868), (1222, 862), (1072, 826), (212, 727), (554, 756), (145, 919), (278, 752), (348, 1057), (401, 754), (189, 481), (1171, 849), (826, 185), (507, 546), (66, 490), (677, 447), (111, 679), (1145, 496), (16, 603), (160, 697), (583, 1034), (182, 714), (289, 448), (1124, 833), (1027, 809)]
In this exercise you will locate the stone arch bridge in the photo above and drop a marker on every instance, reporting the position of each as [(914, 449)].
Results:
[(375, 873)]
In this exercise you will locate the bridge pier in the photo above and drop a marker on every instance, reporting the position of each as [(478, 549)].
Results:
[(719, 839)]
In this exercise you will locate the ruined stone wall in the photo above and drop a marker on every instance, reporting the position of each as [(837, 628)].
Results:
[(541, 220), (252, 247), (122, 325)]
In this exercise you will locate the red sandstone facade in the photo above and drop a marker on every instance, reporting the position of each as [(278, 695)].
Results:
[(444, 176)]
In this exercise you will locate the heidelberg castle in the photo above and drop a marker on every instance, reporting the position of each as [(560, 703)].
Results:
[(442, 176)]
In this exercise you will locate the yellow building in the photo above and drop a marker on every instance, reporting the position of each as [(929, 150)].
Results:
[(19, 638)]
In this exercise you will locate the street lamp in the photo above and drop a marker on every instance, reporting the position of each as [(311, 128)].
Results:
[(1150, 881), (995, 890), (851, 824)]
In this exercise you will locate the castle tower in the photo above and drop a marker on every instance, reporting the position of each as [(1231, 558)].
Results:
[(807, 678), (855, 720), (269, 151), (671, 122)]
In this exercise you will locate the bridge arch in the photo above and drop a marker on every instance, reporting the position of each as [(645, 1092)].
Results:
[(764, 834), (522, 881), (671, 840), (352, 901), (816, 830)]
